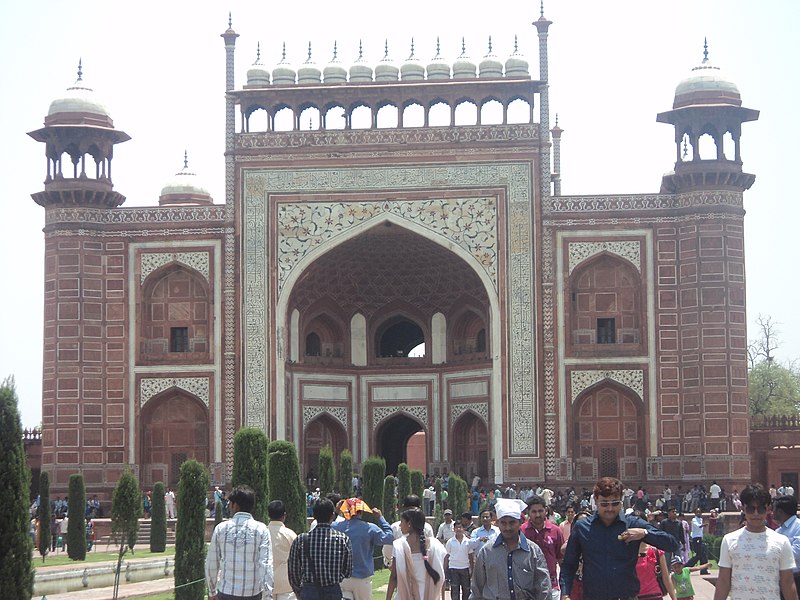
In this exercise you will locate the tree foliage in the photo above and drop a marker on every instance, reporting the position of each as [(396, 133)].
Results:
[(250, 467), (345, 487), (16, 551), (327, 471), (457, 494), (126, 510), (417, 482), (374, 471), (158, 519), (76, 511), (190, 535), (45, 514), (438, 509), (773, 387), (389, 507), (285, 483), (403, 481)]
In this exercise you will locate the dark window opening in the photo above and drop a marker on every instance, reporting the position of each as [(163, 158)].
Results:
[(400, 339), (179, 339), (480, 343), (313, 345), (606, 331)]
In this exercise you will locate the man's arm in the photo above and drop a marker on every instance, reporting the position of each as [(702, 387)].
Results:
[(478, 578), (294, 563), (542, 589), (212, 566), (382, 533), (788, 588), (347, 562), (653, 536), (569, 564), (440, 533), (265, 556), (723, 586)]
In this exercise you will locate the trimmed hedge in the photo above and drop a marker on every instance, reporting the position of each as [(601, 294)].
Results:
[(327, 471), (403, 481), (158, 519), (190, 535), (285, 483), (345, 487), (389, 507), (417, 482), (250, 451), (76, 511), (45, 514), (374, 471)]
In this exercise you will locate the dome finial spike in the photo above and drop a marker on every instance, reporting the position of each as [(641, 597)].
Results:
[(705, 49), (516, 46), (230, 20), (490, 45), (185, 159), (283, 53), (556, 119), (411, 56), (437, 48), (463, 47), (360, 51), (541, 9), (80, 69), (309, 52), (386, 49), (335, 51), (685, 147), (258, 52)]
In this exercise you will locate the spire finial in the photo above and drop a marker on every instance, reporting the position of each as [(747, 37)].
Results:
[(80, 69), (335, 51), (705, 49), (490, 45), (516, 47), (437, 48), (463, 48), (556, 119), (258, 52), (283, 53), (360, 51), (310, 124), (308, 60), (541, 9), (386, 49), (411, 56), (185, 159), (685, 147), (230, 20)]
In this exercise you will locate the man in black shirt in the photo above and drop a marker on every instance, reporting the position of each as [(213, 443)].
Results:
[(673, 526)]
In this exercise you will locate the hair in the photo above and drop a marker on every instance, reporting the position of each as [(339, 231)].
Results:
[(458, 524), (755, 492), (608, 486), (276, 509), (786, 504), (580, 515), (334, 498), (244, 497), (412, 501), (535, 500), (322, 510), (466, 515), (416, 520), (486, 510)]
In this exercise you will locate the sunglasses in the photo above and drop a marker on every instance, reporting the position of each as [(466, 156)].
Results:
[(608, 503), (750, 509)]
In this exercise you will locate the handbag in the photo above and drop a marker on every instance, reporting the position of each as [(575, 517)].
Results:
[(659, 578)]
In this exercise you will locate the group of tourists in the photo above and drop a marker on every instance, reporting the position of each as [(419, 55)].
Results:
[(517, 551)]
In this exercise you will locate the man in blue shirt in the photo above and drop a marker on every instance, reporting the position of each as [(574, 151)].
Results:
[(785, 511), (363, 537), (608, 544)]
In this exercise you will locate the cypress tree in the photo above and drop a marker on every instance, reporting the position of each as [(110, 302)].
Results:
[(45, 514), (403, 481), (285, 483), (346, 474), (458, 495), (374, 470), (190, 536), (16, 550), (389, 499), (438, 511), (417, 482), (327, 471), (76, 511), (158, 519), (250, 467), (218, 510), (126, 509)]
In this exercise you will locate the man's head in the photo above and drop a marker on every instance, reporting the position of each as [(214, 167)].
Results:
[(672, 513), (570, 512), (322, 510), (448, 516), (784, 507), (608, 497), (537, 511), (244, 497), (756, 501), (412, 501), (486, 518), (466, 519), (458, 529), (509, 518), (276, 510), (698, 512)]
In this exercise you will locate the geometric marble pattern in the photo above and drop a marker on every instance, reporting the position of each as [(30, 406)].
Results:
[(630, 378), (479, 408), (152, 386), (580, 251), (379, 413), (337, 412), (154, 260)]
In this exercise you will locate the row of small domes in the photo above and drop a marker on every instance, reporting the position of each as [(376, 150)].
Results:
[(386, 70)]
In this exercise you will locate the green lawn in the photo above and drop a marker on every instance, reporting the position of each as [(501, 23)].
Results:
[(61, 558)]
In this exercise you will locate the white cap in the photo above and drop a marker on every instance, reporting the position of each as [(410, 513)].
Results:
[(507, 507)]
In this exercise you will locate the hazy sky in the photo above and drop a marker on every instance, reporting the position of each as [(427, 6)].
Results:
[(159, 68)]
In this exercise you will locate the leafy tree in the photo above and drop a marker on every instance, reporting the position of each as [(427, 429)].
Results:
[(250, 467), (458, 495), (285, 483), (403, 481), (417, 482), (16, 550), (374, 470), (438, 509), (126, 510), (389, 507), (158, 519), (327, 471), (45, 514), (773, 387), (76, 511), (190, 536), (346, 474)]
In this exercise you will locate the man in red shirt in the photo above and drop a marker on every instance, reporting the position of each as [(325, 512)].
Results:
[(547, 536)]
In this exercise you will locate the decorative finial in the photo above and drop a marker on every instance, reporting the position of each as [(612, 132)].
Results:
[(283, 53), (685, 147), (334, 51), (556, 119), (490, 45), (308, 60), (258, 52), (463, 48), (411, 56), (360, 51), (541, 9), (437, 48), (310, 124), (515, 44), (230, 20), (80, 69), (386, 49), (705, 49), (185, 159)]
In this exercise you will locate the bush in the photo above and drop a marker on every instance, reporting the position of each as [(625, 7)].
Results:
[(403, 481), (417, 482), (158, 519), (285, 483), (76, 511), (16, 551), (190, 536), (346, 474), (250, 467), (126, 509), (374, 470), (389, 507), (712, 543), (327, 471), (45, 514)]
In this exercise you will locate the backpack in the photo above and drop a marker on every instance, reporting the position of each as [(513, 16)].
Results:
[(659, 579)]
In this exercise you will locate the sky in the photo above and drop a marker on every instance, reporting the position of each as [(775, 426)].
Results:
[(159, 68)]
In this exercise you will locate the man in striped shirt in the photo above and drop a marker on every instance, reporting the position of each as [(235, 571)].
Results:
[(239, 560), (320, 559)]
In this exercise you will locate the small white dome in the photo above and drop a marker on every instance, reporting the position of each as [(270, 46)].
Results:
[(283, 73), (412, 69), (334, 72), (516, 65), (706, 85), (438, 68), (386, 69), (360, 71), (490, 66), (258, 74), (309, 72), (184, 189), (464, 68), (78, 105)]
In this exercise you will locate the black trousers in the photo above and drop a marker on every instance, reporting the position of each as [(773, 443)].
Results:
[(698, 546), (459, 584)]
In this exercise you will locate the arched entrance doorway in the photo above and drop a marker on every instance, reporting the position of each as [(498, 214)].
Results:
[(323, 431), (174, 428), (470, 447), (609, 434), (392, 440)]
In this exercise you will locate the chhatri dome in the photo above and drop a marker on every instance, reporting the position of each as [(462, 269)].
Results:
[(184, 189), (78, 106), (258, 74), (707, 85)]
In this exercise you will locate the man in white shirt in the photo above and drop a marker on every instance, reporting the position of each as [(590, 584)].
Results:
[(714, 490), (281, 538), (754, 561), (239, 560), (487, 532), (696, 542), (446, 530), (459, 562)]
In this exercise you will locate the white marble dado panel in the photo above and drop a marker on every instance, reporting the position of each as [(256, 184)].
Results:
[(469, 389), (325, 392), (395, 393)]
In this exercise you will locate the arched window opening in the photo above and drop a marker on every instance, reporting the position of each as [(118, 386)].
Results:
[(334, 118), (414, 116), (399, 339), (519, 111), (309, 119), (728, 146), (480, 342), (439, 115), (417, 351), (466, 114), (313, 345), (258, 121), (361, 118), (387, 116), (468, 336), (284, 119), (706, 147), (492, 113), (687, 150)]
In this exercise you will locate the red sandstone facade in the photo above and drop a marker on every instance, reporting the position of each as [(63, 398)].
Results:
[(565, 337)]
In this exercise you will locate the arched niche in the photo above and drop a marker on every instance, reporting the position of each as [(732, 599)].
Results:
[(335, 117), (518, 111), (468, 336), (470, 446), (387, 116), (466, 113), (397, 336), (439, 114), (323, 431), (323, 336), (413, 115), (491, 112), (392, 436), (283, 119), (309, 119)]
